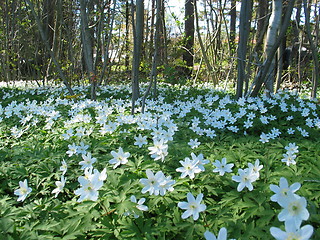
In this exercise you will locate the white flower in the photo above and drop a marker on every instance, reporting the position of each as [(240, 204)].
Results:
[(139, 206), (23, 191), (222, 235), (189, 168), (82, 149), (152, 183), (160, 149), (283, 192), (119, 157), (140, 140), (90, 184), (157, 183), (292, 232), (87, 161), (264, 138), (193, 206), (248, 123), (60, 185), (292, 148), (264, 120), (63, 167), (222, 167), (294, 211), (290, 131), (289, 158), (80, 132), (103, 175), (246, 178), (274, 133), (194, 143), (166, 185), (68, 134), (256, 167), (73, 148), (201, 160)]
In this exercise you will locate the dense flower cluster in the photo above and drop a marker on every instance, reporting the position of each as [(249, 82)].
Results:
[(155, 132)]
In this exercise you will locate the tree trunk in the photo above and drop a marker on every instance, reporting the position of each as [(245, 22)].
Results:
[(43, 36), (203, 50), (264, 68), (138, 39), (316, 72), (245, 17), (272, 34), (233, 20), (157, 43), (127, 41), (262, 25), (87, 47), (189, 36), (108, 41)]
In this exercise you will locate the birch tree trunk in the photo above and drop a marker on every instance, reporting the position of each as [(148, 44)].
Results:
[(272, 34), (264, 68)]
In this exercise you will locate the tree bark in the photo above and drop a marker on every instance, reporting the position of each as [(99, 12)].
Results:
[(264, 68), (189, 36), (157, 43), (233, 20), (272, 34), (245, 17), (87, 47), (314, 51), (138, 39), (262, 24)]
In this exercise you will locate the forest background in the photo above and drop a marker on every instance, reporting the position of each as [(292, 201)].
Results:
[(248, 45)]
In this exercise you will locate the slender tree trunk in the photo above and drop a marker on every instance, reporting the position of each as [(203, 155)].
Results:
[(279, 67), (203, 49), (138, 39), (85, 37), (272, 34), (233, 20), (314, 51), (127, 41), (43, 36), (245, 17), (152, 28), (189, 36), (108, 37), (262, 25), (264, 68), (6, 62), (157, 43), (87, 47)]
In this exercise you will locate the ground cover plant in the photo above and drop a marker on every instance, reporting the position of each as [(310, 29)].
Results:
[(197, 164)]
